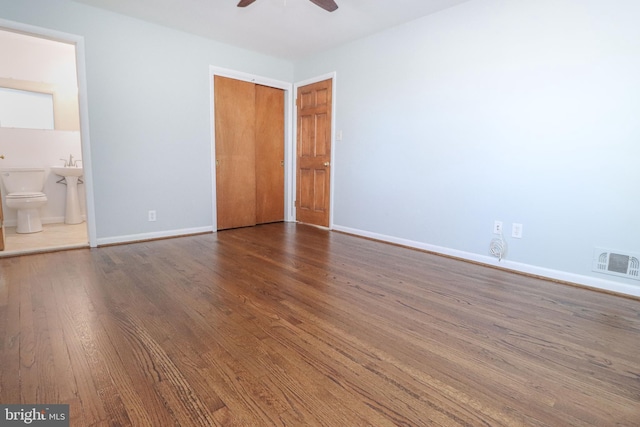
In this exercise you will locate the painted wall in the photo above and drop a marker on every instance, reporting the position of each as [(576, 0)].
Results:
[(149, 113), (40, 65), (520, 111)]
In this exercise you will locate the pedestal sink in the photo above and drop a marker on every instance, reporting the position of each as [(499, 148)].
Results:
[(71, 175)]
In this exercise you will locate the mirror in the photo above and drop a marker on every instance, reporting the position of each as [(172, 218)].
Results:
[(26, 109)]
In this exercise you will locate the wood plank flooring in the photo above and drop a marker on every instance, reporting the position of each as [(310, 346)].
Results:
[(289, 325)]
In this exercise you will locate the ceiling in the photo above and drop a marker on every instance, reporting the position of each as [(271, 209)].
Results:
[(289, 29)]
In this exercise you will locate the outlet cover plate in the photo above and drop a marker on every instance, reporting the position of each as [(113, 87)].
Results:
[(497, 227), (516, 230)]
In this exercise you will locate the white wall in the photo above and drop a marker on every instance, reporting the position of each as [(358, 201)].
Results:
[(148, 97), (29, 148), (41, 65), (521, 111), (37, 60)]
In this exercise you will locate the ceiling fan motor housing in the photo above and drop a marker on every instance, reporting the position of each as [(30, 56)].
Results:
[(328, 5)]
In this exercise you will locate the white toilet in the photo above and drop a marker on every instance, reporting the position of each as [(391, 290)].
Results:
[(24, 193)]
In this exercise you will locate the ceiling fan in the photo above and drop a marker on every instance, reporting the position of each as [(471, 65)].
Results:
[(328, 5)]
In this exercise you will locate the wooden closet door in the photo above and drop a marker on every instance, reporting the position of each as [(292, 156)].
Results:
[(235, 133), (269, 154), (1, 224), (1, 218)]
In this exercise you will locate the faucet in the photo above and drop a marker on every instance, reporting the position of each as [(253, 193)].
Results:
[(70, 163)]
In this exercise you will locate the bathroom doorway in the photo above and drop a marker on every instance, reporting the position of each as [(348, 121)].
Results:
[(42, 62)]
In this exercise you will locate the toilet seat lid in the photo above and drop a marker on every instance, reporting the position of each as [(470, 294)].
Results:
[(25, 194)]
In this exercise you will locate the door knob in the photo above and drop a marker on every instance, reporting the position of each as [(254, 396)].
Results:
[(2, 156), (326, 164)]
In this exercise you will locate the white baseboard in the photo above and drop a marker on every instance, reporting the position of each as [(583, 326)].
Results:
[(591, 282), (55, 220), (153, 236)]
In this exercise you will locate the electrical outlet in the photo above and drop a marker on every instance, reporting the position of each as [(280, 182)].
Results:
[(497, 227), (516, 230), (152, 215)]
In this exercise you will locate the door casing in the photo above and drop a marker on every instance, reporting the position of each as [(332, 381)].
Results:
[(78, 41)]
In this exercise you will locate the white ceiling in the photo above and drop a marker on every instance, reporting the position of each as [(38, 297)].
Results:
[(289, 29)]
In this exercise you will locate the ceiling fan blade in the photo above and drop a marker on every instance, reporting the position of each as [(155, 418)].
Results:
[(328, 5), (245, 3)]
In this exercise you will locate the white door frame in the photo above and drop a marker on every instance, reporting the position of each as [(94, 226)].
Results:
[(329, 76), (78, 41), (289, 142)]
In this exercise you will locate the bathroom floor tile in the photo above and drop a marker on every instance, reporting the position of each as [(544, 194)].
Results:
[(52, 237)]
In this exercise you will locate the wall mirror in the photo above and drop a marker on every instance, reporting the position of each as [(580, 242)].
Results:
[(26, 109)]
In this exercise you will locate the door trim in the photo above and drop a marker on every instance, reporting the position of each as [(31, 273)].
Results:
[(83, 105), (289, 141), (333, 77)]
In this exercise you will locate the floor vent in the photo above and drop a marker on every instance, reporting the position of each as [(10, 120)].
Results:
[(624, 265)]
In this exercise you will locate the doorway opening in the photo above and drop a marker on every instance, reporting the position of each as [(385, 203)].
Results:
[(55, 67)]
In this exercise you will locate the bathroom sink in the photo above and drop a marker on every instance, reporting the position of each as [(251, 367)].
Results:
[(66, 171), (71, 178)]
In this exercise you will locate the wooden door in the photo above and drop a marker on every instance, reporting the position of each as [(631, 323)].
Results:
[(314, 153), (269, 154), (1, 224), (234, 104), (1, 217)]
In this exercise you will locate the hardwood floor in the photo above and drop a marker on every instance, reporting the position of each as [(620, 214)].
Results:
[(285, 324)]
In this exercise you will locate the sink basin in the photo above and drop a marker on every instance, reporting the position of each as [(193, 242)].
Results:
[(65, 171)]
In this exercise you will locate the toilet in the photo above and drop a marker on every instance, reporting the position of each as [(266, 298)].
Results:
[(24, 193)]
